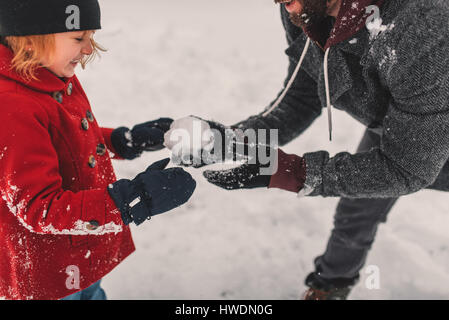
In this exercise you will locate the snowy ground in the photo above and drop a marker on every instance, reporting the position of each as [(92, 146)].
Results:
[(224, 60)]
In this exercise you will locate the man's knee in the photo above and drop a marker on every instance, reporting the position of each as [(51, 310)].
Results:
[(353, 210)]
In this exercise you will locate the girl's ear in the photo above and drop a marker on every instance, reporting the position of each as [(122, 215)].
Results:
[(29, 45)]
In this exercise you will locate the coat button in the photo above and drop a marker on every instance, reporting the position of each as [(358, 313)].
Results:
[(92, 225), (57, 96), (85, 124), (92, 162), (101, 149), (90, 116), (69, 89)]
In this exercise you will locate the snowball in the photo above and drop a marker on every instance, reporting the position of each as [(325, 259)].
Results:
[(188, 136)]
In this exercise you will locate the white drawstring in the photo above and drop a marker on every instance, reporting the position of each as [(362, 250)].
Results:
[(290, 82), (293, 77), (328, 96)]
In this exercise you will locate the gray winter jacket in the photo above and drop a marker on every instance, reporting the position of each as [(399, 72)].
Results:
[(395, 83)]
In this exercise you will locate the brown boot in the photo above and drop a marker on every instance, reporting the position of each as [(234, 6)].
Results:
[(324, 289), (336, 294)]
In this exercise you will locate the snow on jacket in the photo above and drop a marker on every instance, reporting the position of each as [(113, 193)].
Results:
[(394, 79), (55, 211)]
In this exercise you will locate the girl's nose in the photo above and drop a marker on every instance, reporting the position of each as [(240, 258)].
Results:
[(87, 49)]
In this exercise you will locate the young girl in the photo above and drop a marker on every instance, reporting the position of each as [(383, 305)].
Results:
[(63, 215)]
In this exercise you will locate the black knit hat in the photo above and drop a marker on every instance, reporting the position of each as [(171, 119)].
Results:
[(32, 17)]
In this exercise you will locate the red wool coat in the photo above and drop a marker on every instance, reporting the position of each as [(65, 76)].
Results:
[(56, 216)]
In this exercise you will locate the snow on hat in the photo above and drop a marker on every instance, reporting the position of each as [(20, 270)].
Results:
[(33, 17)]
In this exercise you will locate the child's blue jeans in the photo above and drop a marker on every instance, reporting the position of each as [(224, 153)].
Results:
[(94, 292)]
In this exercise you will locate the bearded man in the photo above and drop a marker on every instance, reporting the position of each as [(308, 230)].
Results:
[(384, 62)]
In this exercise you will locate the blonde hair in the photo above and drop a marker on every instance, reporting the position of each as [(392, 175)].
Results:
[(30, 51)]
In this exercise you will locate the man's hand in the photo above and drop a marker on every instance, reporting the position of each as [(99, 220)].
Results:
[(288, 173), (247, 176), (148, 136)]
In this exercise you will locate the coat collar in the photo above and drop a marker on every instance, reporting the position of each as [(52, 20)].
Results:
[(46, 81), (350, 19)]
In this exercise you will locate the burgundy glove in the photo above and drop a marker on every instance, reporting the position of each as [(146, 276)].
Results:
[(291, 173)]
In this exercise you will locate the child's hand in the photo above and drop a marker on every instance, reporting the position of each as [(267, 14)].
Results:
[(148, 136), (154, 191)]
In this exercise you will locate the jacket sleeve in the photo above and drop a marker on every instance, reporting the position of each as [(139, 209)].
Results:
[(414, 65), (107, 132), (31, 184), (301, 105)]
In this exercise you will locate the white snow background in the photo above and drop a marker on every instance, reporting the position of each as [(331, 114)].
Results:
[(224, 60)]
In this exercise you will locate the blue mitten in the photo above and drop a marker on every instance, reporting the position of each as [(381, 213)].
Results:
[(148, 136), (154, 191)]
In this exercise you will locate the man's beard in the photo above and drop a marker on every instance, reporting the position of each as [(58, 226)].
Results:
[(314, 11)]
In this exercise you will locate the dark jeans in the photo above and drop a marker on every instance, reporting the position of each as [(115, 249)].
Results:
[(94, 292), (355, 226)]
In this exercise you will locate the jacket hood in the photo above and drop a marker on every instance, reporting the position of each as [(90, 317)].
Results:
[(350, 19), (46, 80)]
